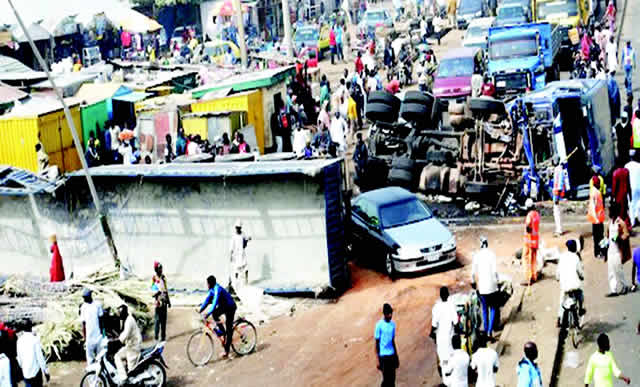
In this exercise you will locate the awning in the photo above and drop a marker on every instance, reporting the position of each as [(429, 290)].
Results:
[(10, 94), (36, 31), (96, 92), (132, 97)]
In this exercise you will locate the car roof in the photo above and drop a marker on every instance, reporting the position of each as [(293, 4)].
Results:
[(387, 195), (461, 52), (482, 22)]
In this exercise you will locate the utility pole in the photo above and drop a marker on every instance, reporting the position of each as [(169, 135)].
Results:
[(286, 22), (237, 11), (76, 140)]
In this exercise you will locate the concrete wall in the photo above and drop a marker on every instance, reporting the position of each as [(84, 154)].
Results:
[(185, 225)]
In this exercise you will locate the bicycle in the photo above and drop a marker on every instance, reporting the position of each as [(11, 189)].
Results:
[(200, 347), (571, 317)]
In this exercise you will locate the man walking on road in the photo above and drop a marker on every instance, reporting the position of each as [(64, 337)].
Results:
[(485, 362), (529, 374), (570, 273), (531, 242), (620, 191), (602, 366), (629, 63), (484, 277), (457, 369), (596, 215), (163, 303), (633, 167), (90, 313), (386, 351), (560, 186), (30, 357), (452, 8), (443, 319)]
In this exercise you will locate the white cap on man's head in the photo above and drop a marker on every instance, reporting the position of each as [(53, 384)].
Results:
[(528, 203)]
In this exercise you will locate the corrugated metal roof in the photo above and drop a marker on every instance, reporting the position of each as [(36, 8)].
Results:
[(212, 170), (66, 80), (38, 106), (95, 92), (18, 182), (9, 94), (246, 81), (10, 65), (132, 97)]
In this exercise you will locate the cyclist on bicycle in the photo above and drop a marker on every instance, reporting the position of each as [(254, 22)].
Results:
[(221, 303), (570, 274)]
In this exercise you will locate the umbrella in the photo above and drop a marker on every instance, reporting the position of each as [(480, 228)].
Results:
[(131, 20), (225, 8)]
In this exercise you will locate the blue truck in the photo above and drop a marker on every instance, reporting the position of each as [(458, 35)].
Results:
[(523, 57)]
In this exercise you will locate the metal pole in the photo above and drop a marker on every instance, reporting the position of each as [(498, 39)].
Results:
[(237, 11), (286, 22), (76, 139)]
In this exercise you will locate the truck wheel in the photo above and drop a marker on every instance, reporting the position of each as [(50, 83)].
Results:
[(381, 112), (415, 112), (486, 106), (419, 97), (383, 97), (404, 163), (401, 177)]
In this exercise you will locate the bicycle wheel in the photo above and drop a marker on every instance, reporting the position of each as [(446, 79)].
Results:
[(200, 348), (245, 337)]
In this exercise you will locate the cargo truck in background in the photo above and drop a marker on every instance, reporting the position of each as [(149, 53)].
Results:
[(523, 57), (568, 15)]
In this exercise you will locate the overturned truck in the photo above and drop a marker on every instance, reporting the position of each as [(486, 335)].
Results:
[(490, 149)]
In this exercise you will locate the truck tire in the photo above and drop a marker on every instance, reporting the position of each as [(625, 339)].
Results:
[(403, 163), (401, 177), (486, 106), (414, 112), (381, 112), (382, 97), (419, 97)]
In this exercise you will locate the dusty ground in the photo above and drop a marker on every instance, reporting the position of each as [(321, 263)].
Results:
[(332, 343)]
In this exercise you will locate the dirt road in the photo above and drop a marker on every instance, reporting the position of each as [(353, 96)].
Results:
[(332, 344)]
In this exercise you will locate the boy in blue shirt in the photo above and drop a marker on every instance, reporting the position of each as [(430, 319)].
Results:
[(221, 303), (385, 335)]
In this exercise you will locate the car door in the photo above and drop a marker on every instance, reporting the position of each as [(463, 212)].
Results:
[(367, 227)]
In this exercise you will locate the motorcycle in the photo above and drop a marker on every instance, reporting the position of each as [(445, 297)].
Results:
[(149, 370)]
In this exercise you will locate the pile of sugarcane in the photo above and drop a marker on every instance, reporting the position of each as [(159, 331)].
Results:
[(54, 308)]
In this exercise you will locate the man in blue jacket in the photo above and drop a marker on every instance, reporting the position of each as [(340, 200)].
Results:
[(220, 302)]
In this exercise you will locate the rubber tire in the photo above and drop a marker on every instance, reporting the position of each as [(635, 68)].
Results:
[(164, 372), (417, 113), (403, 163), (383, 97), (389, 267), (381, 112), (255, 332), (486, 106), (401, 177), (101, 377), (193, 335), (413, 96)]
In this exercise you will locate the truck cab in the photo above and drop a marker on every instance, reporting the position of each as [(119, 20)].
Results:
[(512, 14), (521, 57)]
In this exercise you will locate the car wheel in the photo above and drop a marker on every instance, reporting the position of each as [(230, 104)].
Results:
[(389, 267)]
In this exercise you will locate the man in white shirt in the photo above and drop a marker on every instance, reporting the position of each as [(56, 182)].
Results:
[(485, 362), (457, 368), (484, 277), (90, 313), (5, 364), (570, 274), (239, 267), (337, 131), (30, 357), (127, 356), (443, 319), (611, 49)]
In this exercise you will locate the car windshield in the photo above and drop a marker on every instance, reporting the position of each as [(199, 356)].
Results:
[(375, 16), (455, 67), (306, 34), (403, 213), (570, 8), (510, 12), (469, 6), (513, 48), (476, 32)]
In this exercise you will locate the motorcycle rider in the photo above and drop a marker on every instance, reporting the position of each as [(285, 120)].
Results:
[(221, 303), (128, 355), (570, 274)]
